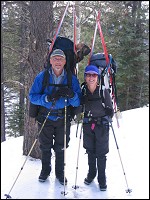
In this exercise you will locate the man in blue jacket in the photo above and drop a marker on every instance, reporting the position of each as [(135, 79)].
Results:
[(54, 99)]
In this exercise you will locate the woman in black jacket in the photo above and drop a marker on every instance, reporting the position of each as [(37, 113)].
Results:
[(98, 110)]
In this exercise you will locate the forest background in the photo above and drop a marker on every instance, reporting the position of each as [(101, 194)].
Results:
[(25, 27)]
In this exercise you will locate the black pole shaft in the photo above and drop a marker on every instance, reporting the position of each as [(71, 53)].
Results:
[(77, 128), (128, 190)]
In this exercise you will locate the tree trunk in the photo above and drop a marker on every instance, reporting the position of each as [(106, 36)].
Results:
[(41, 26)]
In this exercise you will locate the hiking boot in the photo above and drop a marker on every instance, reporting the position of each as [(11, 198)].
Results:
[(103, 187), (88, 180), (43, 176), (61, 180)]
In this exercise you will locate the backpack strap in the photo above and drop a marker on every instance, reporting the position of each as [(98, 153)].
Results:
[(46, 83), (101, 92)]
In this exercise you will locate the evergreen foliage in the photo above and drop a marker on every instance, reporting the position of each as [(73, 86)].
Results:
[(125, 26)]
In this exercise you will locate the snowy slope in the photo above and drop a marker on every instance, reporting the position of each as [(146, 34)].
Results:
[(127, 165)]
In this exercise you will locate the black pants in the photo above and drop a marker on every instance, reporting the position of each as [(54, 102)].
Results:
[(52, 137), (96, 143), (97, 163), (97, 140)]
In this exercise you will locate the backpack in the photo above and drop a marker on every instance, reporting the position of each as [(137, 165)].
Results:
[(99, 60), (72, 58)]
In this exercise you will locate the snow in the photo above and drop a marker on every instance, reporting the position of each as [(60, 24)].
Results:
[(127, 165)]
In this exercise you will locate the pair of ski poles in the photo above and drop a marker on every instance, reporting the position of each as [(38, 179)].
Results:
[(128, 190), (81, 130)]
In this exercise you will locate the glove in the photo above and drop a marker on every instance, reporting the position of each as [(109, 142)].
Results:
[(53, 97), (78, 117), (109, 111), (66, 92)]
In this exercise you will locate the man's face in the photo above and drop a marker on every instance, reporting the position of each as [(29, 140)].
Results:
[(58, 63)]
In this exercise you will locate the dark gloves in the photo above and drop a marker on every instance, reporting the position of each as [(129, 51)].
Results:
[(62, 92), (66, 92), (53, 97), (109, 111)]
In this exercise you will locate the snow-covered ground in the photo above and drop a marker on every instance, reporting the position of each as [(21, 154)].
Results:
[(127, 165)]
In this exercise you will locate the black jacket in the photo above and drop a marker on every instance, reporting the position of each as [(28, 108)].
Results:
[(95, 106)]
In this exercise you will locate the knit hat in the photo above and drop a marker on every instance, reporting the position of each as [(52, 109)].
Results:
[(91, 69), (58, 52)]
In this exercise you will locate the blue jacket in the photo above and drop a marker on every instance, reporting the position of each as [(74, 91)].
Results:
[(37, 98)]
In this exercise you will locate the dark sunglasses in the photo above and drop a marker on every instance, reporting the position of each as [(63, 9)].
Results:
[(93, 75)]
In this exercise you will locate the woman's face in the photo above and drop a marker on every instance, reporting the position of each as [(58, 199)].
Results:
[(91, 79)]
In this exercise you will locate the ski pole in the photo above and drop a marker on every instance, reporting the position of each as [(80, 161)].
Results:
[(93, 43), (82, 117), (58, 29), (127, 190), (77, 128), (8, 195), (65, 125)]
